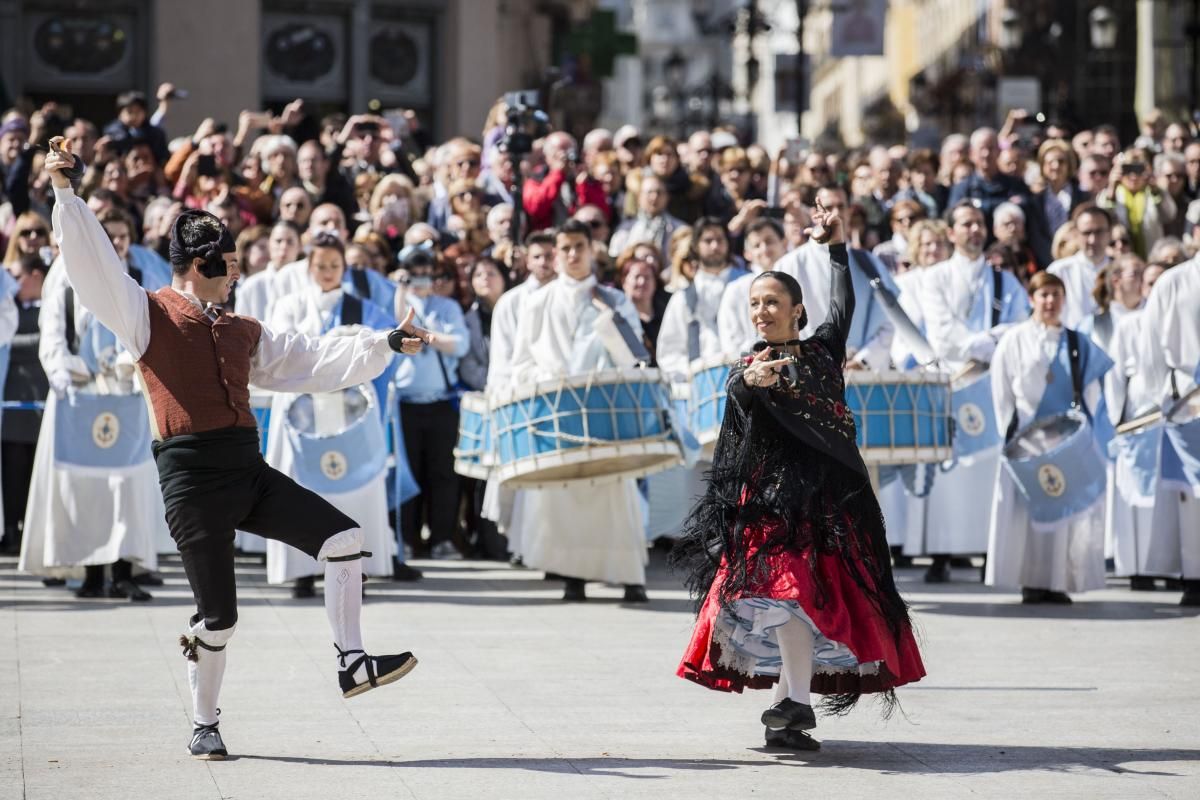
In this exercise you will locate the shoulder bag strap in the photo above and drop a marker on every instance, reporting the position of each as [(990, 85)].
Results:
[(441, 364), (362, 287), (72, 336)]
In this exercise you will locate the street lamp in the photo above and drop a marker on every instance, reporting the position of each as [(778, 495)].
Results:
[(1012, 31), (1102, 25)]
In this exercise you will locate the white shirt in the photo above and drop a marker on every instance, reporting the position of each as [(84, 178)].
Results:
[(672, 347), (1173, 324), (949, 292), (257, 294), (284, 363), (307, 312), (504, 329), (564, 331), (1131, 386), (1019, 367), (734, 328), (1079, 274)]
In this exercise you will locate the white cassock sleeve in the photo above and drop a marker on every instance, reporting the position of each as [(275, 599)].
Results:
[(504, 331), (671, 349), (101, 281)]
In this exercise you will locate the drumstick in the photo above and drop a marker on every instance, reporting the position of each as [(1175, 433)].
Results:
[(1140, 422)]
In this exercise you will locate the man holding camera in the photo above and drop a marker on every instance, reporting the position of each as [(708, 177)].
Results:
[(552, 197)]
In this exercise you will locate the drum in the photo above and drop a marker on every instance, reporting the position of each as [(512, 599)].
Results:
[(706, 406), (608, 425), (1137, 452), (260, 407), (101, 431), (474, 455), (1057, 466), (338, 440), (1181, 457), (901, 417), (975, 428)]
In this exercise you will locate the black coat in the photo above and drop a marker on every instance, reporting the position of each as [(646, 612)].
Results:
[(26, 379)]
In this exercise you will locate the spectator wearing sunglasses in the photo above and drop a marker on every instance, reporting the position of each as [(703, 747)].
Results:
[(30, 234)]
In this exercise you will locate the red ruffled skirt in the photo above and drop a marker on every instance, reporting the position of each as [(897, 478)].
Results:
[(871, 659)]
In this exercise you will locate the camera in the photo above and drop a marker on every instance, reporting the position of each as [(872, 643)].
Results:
[(526, 122)]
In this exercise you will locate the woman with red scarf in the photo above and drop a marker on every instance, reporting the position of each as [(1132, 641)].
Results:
[(786, 552)]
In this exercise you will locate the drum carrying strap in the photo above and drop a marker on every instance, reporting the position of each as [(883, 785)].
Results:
[(352, 310), (997, 296), (636, 346), (362, 286), (1076, 383), (693, 301)]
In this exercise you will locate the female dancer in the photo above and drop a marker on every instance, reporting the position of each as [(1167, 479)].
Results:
[(786, 551)]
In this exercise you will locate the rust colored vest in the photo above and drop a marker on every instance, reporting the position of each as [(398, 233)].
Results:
[(197, 371)]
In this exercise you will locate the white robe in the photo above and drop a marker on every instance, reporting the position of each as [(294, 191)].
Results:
[(1079, 275), (76, 518), (671, 350), (1068, 557), (308, 313), (1172, 325), (256, 295), (591, 532)]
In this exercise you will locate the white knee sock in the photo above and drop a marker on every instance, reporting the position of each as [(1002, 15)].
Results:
[(343, 602), (796, 648), (206, 672), (781, 686)]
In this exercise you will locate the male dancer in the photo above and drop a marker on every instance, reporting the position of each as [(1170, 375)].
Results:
[(197, 363)]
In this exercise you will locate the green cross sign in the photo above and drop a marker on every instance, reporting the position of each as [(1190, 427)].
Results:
[(599, 40)]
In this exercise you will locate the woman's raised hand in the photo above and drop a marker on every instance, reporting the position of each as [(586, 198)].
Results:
[(827, 225), (763, 371)]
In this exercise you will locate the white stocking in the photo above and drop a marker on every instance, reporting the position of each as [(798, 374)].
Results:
[(796, 648), (343, 592), (206, 672), (781, 687)]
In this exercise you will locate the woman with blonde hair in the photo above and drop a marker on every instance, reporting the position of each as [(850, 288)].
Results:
[(683, 262), (30, 233)]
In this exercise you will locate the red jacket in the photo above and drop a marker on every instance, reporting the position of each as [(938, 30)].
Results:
[(539, 198)]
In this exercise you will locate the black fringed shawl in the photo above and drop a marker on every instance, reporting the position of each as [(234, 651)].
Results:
[(786, 462)]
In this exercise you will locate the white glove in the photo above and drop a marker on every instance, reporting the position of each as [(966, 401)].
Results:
[(981, 346), (124, 366), (60, 382)]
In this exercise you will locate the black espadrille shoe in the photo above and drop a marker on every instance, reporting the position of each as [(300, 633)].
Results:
[(787, 714), (206, 743), (791, 740), (380, 670)]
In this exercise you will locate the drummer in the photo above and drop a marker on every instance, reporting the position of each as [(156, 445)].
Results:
[(1032, 381), (124, 519), (1173, 329), (1131, 391), (967, 307), (571, 328), (503, 506), (324, 308)]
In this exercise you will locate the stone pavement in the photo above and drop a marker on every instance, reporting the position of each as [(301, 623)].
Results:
[(520, 696)]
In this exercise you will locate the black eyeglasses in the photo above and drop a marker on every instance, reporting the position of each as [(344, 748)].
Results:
[(33, 233), (1122, 241), (595, 224)]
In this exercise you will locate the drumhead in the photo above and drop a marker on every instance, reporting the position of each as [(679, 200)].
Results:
[(328, 414), (1043, 437), (596, 464)]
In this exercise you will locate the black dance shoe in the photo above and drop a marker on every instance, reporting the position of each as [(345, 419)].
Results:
[(635, 593), (381, 670), (89, 590), (51, 583), (791, 740), (148, 579), (1190, 597), (304, 588), (787, 714), (1141, 583), (206, 744), (403, 572), (574, 590), (128, 589)]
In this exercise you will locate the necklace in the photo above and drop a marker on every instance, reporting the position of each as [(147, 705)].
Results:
[(788, 343)]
